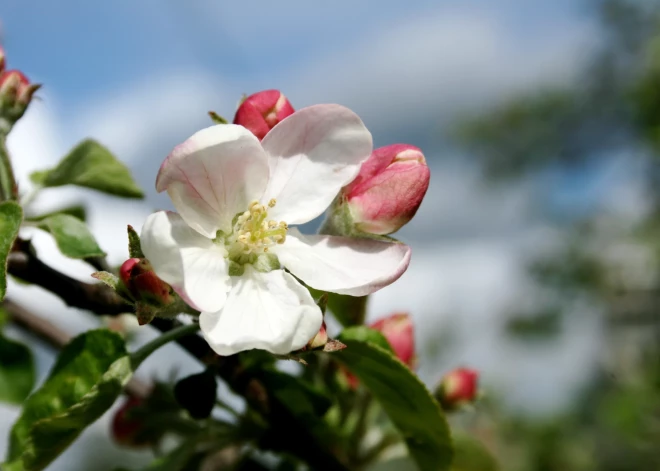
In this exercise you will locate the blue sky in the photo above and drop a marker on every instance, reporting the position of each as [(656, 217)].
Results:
[(141, 75)]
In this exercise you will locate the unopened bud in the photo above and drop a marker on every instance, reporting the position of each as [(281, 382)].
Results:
[(319, 340), (143, 284), (2, 60), (126, 428), (261, 111), (388, 190), (458, 388), (15, 94), (398, 330)]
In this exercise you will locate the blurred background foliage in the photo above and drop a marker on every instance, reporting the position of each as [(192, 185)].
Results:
[(612, 109)]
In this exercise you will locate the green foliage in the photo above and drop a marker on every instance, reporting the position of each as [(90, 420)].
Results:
[(471, 455), (108, 279), (362, 333), (16, 371), (78, 211), (88, 376), (134, 247), (11, 216), (91, 165), (404, 398), (72, 236)]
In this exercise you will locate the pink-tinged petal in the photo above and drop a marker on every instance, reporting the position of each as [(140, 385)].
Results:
[(192, 264), (343, 265), (269, 311), (312, 154), (214, 175)]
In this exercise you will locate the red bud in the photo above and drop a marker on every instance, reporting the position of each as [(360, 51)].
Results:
[(261, 111), (458, 388), (398, 330), (143, 284), (125, 429)]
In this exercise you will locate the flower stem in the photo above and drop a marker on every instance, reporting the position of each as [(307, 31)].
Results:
[(8, 186), (143, 352)]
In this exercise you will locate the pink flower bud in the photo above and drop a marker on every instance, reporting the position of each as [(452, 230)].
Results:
[(125, 430), (262, 111), (388, 190), (398, 330), (458, 388), (15, 95), (143, 284), (16, 88), (319, 340)]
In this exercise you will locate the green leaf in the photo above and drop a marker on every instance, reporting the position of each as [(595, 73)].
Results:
[(72, 236), (89, 374), (471, 455), (405, 399), (11, 216), (16, 371), (134, 247), (363, 333), (91, 165), (108, 279), (78, 211)]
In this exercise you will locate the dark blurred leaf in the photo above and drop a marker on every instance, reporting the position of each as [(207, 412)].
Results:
[(406, 401), (305, 401), (72, 236), (538, 326), (471, 455), (77, 211), (11, 216), (89, 374), (197, 394), (348, 310), (91, 165), (16, 371)]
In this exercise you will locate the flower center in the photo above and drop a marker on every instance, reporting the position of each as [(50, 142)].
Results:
[(254, 233)]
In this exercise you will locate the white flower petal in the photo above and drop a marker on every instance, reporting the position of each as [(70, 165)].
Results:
[(343, 265), (269, 311), (214, 175), (312, 154), (192, 264)]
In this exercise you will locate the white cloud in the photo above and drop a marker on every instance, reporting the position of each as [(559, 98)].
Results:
[(434, 66)]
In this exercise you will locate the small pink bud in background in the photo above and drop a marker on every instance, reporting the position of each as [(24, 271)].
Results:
[(16, 88), (143, 284), (319, 340), (388, 190), (398, 330), (262, 111), (125, 429), (15, 95), (459, 387)]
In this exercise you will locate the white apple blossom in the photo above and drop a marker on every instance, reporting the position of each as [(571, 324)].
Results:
[(226, 249)]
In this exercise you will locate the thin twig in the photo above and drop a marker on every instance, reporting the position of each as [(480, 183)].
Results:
[(57, 338)]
